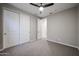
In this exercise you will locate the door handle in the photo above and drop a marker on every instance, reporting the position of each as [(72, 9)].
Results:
[(5, 33)]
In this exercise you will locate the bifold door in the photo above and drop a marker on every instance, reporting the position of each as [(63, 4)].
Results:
[(33, 28), (18, 28), (42, 29), (24, 28)]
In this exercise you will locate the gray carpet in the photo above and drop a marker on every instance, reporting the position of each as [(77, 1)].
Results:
[(41, 48)]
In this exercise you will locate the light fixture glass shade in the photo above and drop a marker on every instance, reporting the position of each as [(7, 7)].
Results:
[(41, 9)]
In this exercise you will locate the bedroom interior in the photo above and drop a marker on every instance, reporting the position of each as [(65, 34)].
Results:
[(39, 29)]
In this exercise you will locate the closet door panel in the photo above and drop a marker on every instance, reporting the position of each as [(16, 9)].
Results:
[(11, 28), (33, 28), (24, 28)]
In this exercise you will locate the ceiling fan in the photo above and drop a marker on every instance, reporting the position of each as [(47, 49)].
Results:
[(42, 6)]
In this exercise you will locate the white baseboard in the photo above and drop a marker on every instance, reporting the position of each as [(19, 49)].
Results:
[(64, 44), (55, 42), (1, 49), (78, 48)]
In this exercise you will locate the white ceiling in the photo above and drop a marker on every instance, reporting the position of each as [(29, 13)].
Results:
[(57, 7)]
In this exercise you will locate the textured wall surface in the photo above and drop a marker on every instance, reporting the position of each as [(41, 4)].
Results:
[(62, 27)]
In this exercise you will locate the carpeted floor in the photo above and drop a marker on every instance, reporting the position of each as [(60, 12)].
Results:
[(40, 48)]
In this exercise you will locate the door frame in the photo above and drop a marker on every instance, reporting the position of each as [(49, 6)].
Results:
[(8, 9)]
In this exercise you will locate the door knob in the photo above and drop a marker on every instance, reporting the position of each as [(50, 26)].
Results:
[(5, 33)]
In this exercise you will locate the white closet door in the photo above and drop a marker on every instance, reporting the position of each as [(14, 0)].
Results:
[(10, 28), (24, 28), (33, 28), (42, 28), (39, 34)]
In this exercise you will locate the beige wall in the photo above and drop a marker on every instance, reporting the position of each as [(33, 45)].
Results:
[(62, 27)]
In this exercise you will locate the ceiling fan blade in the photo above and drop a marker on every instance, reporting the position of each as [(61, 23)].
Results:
[(34, 4), (47, 5)]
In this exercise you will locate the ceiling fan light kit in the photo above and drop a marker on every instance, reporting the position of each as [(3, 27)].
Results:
[(42, 6), (41, 9)]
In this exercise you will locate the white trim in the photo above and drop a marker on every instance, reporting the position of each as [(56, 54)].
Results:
[(51, 41), (2, 49), (64, 44), (78, 48)]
